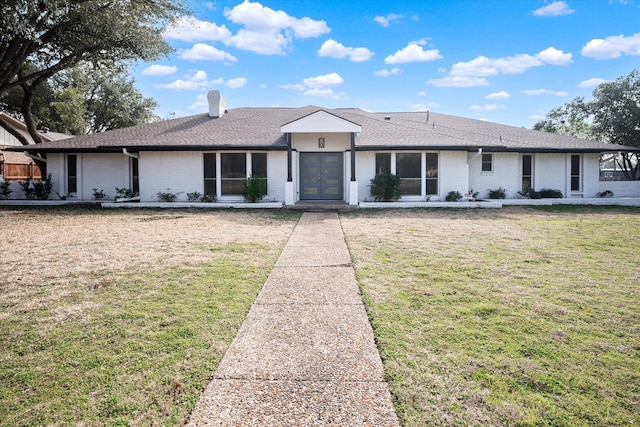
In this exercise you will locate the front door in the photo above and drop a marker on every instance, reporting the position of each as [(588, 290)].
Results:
[(321, 176)]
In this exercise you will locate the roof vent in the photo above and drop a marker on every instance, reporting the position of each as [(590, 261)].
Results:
[(217, 104), (387, 117)]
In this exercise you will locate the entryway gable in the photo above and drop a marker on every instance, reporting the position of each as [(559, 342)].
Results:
[(320, 121)]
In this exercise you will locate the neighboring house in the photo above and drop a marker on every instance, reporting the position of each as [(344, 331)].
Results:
[(314, 153), (15, 166)]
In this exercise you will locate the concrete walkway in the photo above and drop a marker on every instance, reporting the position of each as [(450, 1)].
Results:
[(305, 355)]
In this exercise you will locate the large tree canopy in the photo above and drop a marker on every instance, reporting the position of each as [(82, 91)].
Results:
[(85, 99), (40, 38), (613, 116)]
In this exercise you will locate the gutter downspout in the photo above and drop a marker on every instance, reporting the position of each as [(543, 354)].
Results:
[(476, 156), (127, 153)]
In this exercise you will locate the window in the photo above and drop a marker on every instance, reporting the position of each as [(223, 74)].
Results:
[(233, 173), (487, 163), (383, 163), (259, 167), (210, 174), (432, 173), (72, 173), (135, 176), (575, 173), (409, 169), (527, 172)]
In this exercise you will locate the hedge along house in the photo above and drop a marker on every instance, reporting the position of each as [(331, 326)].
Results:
[(314, 153)]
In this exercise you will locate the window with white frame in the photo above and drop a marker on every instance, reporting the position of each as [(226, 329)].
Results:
[(576, 180), (412, 170), (487, 163), (230, 171), (408, 168)]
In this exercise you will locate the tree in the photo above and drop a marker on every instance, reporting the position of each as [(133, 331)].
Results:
[(613, 116), (40, 38), (85, 100)]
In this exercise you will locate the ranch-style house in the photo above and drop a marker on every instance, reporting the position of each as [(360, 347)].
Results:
[(315, 153)]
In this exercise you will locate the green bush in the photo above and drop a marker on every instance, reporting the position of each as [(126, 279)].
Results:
[(606, 193), (5, 189), (192, 197), (37, 190), (254, 189), (125, 193), (167, 196), (453, 196), (498, 193), (98, 194), (550, 193), (385, 187)]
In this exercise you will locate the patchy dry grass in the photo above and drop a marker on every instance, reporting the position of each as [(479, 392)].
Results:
[(120, 317), (513, 317)]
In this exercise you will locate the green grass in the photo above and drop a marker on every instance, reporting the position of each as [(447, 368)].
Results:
[(143, 357), (132, 346), (520, 317)]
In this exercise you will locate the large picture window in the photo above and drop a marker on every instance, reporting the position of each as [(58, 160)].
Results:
[(408, 168)]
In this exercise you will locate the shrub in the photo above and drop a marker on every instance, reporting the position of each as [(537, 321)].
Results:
[(208, 198), (5, 189), (37, 190), (453, 196), (529, 194), (125, 193), (549, 193), (498, 193), (192, 197), (167, 196), (254, 189), (98, 194), (385, 187), (606, 193)]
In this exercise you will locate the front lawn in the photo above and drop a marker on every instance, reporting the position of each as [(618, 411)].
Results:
[(520, 316), (121, 317)]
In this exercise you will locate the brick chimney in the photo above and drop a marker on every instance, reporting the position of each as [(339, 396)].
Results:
[(217, 104)]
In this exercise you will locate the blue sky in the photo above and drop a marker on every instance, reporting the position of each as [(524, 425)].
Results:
[(506, 61)]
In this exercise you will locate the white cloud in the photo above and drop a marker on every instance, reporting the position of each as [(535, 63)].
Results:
[(557, 8), (516, 64), (591, 82), (200, 103), (386, 73), (422, 93), (487, 107), (195, 81), (160, 70), (292, 86), (612, 47), (499, 95), (554, 56), (413, 52), (189, 29), (205, 52), (332, 79), (333, 49), (458, 81), (534, 92), (386, 20), (236, 83), (325, 93), (270, 32)]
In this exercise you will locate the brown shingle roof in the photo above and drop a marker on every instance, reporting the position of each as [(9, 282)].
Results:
[(259, 128)]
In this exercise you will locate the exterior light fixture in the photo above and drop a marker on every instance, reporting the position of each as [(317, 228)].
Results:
[(321, 142)]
